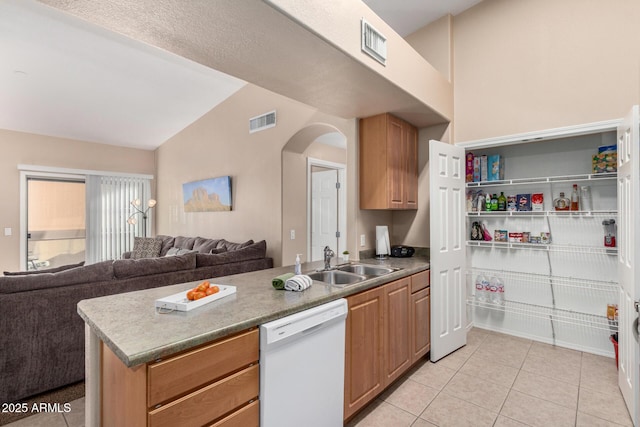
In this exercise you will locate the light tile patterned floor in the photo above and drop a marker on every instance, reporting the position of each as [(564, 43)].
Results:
[(502, 381), (495, 380)]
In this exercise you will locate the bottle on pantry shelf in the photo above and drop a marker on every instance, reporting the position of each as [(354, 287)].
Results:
[(496, 286), (494, 202), (575, 199), (502, 202), (481, 202), (585, 198), (482, 287), (485, 232), (487, 201), (561, 203)]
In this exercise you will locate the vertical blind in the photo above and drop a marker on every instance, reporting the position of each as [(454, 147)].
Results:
[(108, 208)]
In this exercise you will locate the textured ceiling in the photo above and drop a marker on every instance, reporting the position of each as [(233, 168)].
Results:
[(60, 76), (116, 72)]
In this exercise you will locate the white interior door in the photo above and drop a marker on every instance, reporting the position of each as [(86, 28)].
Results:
[(324, 212), (628, 257), (448, 251)]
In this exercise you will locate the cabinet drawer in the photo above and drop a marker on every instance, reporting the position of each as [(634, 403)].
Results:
[(419, 281), (247, 416), (210, 402), (186, 372)]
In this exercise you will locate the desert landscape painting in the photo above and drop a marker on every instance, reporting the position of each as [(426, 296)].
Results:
[(209, 195)]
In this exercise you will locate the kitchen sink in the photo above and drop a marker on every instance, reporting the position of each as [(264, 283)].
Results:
[(367, 270), (337, 277)]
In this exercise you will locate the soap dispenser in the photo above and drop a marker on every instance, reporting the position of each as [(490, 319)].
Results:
[(298, 267)]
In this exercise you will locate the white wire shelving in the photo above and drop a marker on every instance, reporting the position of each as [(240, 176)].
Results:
[(550, 247), (544, 180), (554, 314), (542, 214), (542, 280)]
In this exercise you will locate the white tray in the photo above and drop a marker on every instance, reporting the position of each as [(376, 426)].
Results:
[(180, 302)]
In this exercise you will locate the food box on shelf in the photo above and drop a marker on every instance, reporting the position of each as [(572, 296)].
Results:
[(523, 202), (537, 202), (605, 162), (469, 167), (476, 169), (515, 237), (500, 235), (496, 167), (179, 301), (484, 169)]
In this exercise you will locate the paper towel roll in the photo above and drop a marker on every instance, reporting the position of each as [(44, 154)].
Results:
[(383, 247)]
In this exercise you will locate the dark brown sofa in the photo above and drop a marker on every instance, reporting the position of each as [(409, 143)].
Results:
[(42, 335)]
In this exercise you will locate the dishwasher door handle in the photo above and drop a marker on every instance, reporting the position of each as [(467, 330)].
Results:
[(313, 328)]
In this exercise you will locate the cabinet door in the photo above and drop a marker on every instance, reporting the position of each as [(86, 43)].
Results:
[(397, 328), (363, 350), (411, 167), (420, 326), (396, 161)]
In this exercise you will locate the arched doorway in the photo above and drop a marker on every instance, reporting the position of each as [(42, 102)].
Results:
[(313, 206)]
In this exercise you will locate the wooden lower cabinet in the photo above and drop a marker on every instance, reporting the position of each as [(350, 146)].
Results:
[(387, 332), (397, 329), (215, 384), (363, 351)]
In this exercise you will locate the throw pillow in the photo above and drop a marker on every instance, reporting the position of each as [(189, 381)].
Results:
[(231, 246), (146, 247), (179, 251)]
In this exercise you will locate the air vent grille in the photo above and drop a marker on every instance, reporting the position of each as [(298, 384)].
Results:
[(373, 43), (265, 121)]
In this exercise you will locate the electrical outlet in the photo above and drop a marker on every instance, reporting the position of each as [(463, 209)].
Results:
[(363, 240), (293, 234)]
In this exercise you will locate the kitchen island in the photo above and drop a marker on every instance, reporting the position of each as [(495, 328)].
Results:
[(129, 327)]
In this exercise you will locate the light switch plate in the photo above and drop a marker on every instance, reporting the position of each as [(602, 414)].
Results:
[(362, 240), (8, 231), (293, 234)]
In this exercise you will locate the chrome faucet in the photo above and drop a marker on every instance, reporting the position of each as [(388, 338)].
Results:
[(328, 254)]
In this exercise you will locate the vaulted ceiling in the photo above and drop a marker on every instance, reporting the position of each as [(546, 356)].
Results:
[(62, 76)]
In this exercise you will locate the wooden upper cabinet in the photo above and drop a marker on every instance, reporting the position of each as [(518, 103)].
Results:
[(388, 163)]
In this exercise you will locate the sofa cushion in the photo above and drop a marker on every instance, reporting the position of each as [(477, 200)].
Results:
[(253, 251), (146, 247), (204, 246), (184, 242), (124, 268), (97, 272), (167, 243), (48, 270), (178, 251), (231, 246)]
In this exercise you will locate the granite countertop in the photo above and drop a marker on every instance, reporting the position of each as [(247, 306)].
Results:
[(132, 328)]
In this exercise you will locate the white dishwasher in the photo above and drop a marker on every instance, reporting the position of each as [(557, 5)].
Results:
[(302, 368)]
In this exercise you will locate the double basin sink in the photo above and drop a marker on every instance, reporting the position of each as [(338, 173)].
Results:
[(350, 274)]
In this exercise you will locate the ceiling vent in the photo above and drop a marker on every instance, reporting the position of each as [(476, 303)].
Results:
[(373, 43), (262, 122)]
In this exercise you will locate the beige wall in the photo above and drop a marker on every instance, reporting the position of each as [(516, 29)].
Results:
[(219, 144), (23, 148), (294, 196), (435, 43), (529, 65)]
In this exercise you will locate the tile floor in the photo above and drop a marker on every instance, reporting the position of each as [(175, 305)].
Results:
[(500, 380), (527, 383)]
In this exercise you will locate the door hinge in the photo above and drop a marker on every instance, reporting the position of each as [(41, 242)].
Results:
[(337, 185), (338, 234)]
